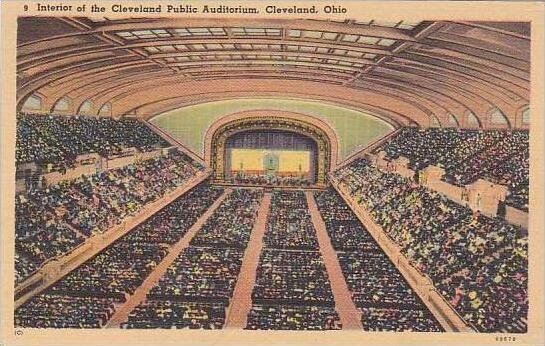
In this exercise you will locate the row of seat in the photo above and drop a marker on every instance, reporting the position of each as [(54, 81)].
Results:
[(292, 289), (377, 288), (500, 156), (479, 264), (58, 139), (114, 273), (198, 286), (53, 221)]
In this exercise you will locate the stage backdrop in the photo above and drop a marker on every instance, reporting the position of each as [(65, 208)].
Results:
[(256, 161)]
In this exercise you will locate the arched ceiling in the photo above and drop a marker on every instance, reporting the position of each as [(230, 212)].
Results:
[(411, 72)]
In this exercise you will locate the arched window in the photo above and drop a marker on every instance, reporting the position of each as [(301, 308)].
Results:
[(86, 108), (497, 117), (452, 121), (32, 103), (105, 110), (526, 116), (472, 120), (435, 121), (63, 104)]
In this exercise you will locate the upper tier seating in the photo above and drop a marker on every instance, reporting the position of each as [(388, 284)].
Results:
[(59, 139), (467, 155)]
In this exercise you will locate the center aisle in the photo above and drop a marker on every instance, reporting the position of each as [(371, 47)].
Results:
[(241, 302), (141, 292), (348, 313)]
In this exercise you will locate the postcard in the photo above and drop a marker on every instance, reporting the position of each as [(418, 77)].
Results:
[(253, 172)]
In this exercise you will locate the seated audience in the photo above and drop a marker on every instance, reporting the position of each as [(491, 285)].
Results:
[(468, 155), (23, 268), (200, 274), (292, 278), (284, 317), (170, 223), (477, 263), (345, 230), (289, 225), (64, 312), (113, 274), (376, 286), (292, 289), (57, 139), (198, 286), (232, 222), (177, 315), (398, 320), (53, 221), (270, 180)]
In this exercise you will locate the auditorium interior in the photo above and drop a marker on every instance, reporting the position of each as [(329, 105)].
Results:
[(286, 174)]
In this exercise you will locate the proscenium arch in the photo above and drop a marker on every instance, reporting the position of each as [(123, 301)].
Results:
[(309, 126)]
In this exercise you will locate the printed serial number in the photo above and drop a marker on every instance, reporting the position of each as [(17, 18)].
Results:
[(506, 338)]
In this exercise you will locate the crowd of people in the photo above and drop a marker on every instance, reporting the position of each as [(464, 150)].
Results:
[(170, 223), (443, 147), (501, 162), (199, 284), (292, 280), (269, 180), (479, 264), (114, 273), (289, 225), (398, 320), (158, 314), (232, 222), (345, 230), (47, 242), (60, 139), (376, 281), (24, 268), (467, 155), (376, 286), (518, 197), (53, 221), (200, 274), (284, 317), (65, 312)]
